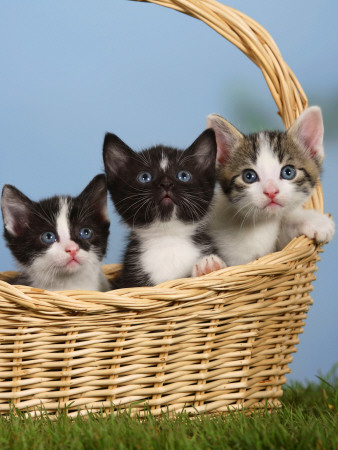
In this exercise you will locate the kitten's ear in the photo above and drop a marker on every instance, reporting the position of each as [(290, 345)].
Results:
[(116, 155), (227, 137), (204, 149), (16, 208), (308, 129), (94, 195)]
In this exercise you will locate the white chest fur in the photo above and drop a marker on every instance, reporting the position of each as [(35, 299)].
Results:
[(241, 242), (168, 251)]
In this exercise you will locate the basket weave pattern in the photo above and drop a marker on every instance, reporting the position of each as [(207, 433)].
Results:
[(218, 342)]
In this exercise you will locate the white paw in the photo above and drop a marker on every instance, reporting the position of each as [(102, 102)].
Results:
[(321, 228), (207, 264)]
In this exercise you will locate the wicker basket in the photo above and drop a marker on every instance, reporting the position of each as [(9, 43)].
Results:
[(215, 343)]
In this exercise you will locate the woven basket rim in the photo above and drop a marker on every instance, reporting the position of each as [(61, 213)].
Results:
[(152, 298)]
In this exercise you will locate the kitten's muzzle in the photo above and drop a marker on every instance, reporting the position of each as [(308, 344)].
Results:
[(166, 183), (273, 204), (72, 250), (271, 192), (167, 197)]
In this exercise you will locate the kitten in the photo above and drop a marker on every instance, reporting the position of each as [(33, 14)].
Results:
[(58, 242), (265, 178), (163, 194)]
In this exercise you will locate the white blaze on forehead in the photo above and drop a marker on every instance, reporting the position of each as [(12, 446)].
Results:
[(268, 165), (164, 163), (62, 224)]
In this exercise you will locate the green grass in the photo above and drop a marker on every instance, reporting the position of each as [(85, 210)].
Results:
[(307, 420)]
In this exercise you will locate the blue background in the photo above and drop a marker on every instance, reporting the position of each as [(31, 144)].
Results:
[(72, 70)]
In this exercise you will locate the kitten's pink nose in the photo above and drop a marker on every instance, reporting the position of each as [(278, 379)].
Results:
[(72, 248), (271, 192)]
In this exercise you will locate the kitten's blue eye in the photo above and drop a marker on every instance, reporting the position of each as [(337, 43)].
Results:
[(249, 176), (85, 233), (48, 237), (288, 173), (144, 177), (184, 175)]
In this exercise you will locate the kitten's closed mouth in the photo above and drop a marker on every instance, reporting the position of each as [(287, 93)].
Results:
[(273, 204), (72, 263), (167, 199)]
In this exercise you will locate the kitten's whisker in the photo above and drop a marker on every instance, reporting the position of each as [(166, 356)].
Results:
[(241, 209), (196, 203), (149, 207), (196, 197), (142, 201), (192, 208), (248, 214), (129, 197), (139, 208)]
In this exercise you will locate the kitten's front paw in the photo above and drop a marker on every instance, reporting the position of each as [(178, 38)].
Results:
[(321, 228), (207, 264)]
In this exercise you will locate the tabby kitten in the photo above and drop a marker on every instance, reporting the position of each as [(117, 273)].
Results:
[(58, 242), (163, 195), (265, 178)]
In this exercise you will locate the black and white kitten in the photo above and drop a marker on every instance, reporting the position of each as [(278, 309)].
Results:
[(59, 242), (265, 178), (163, 194)]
